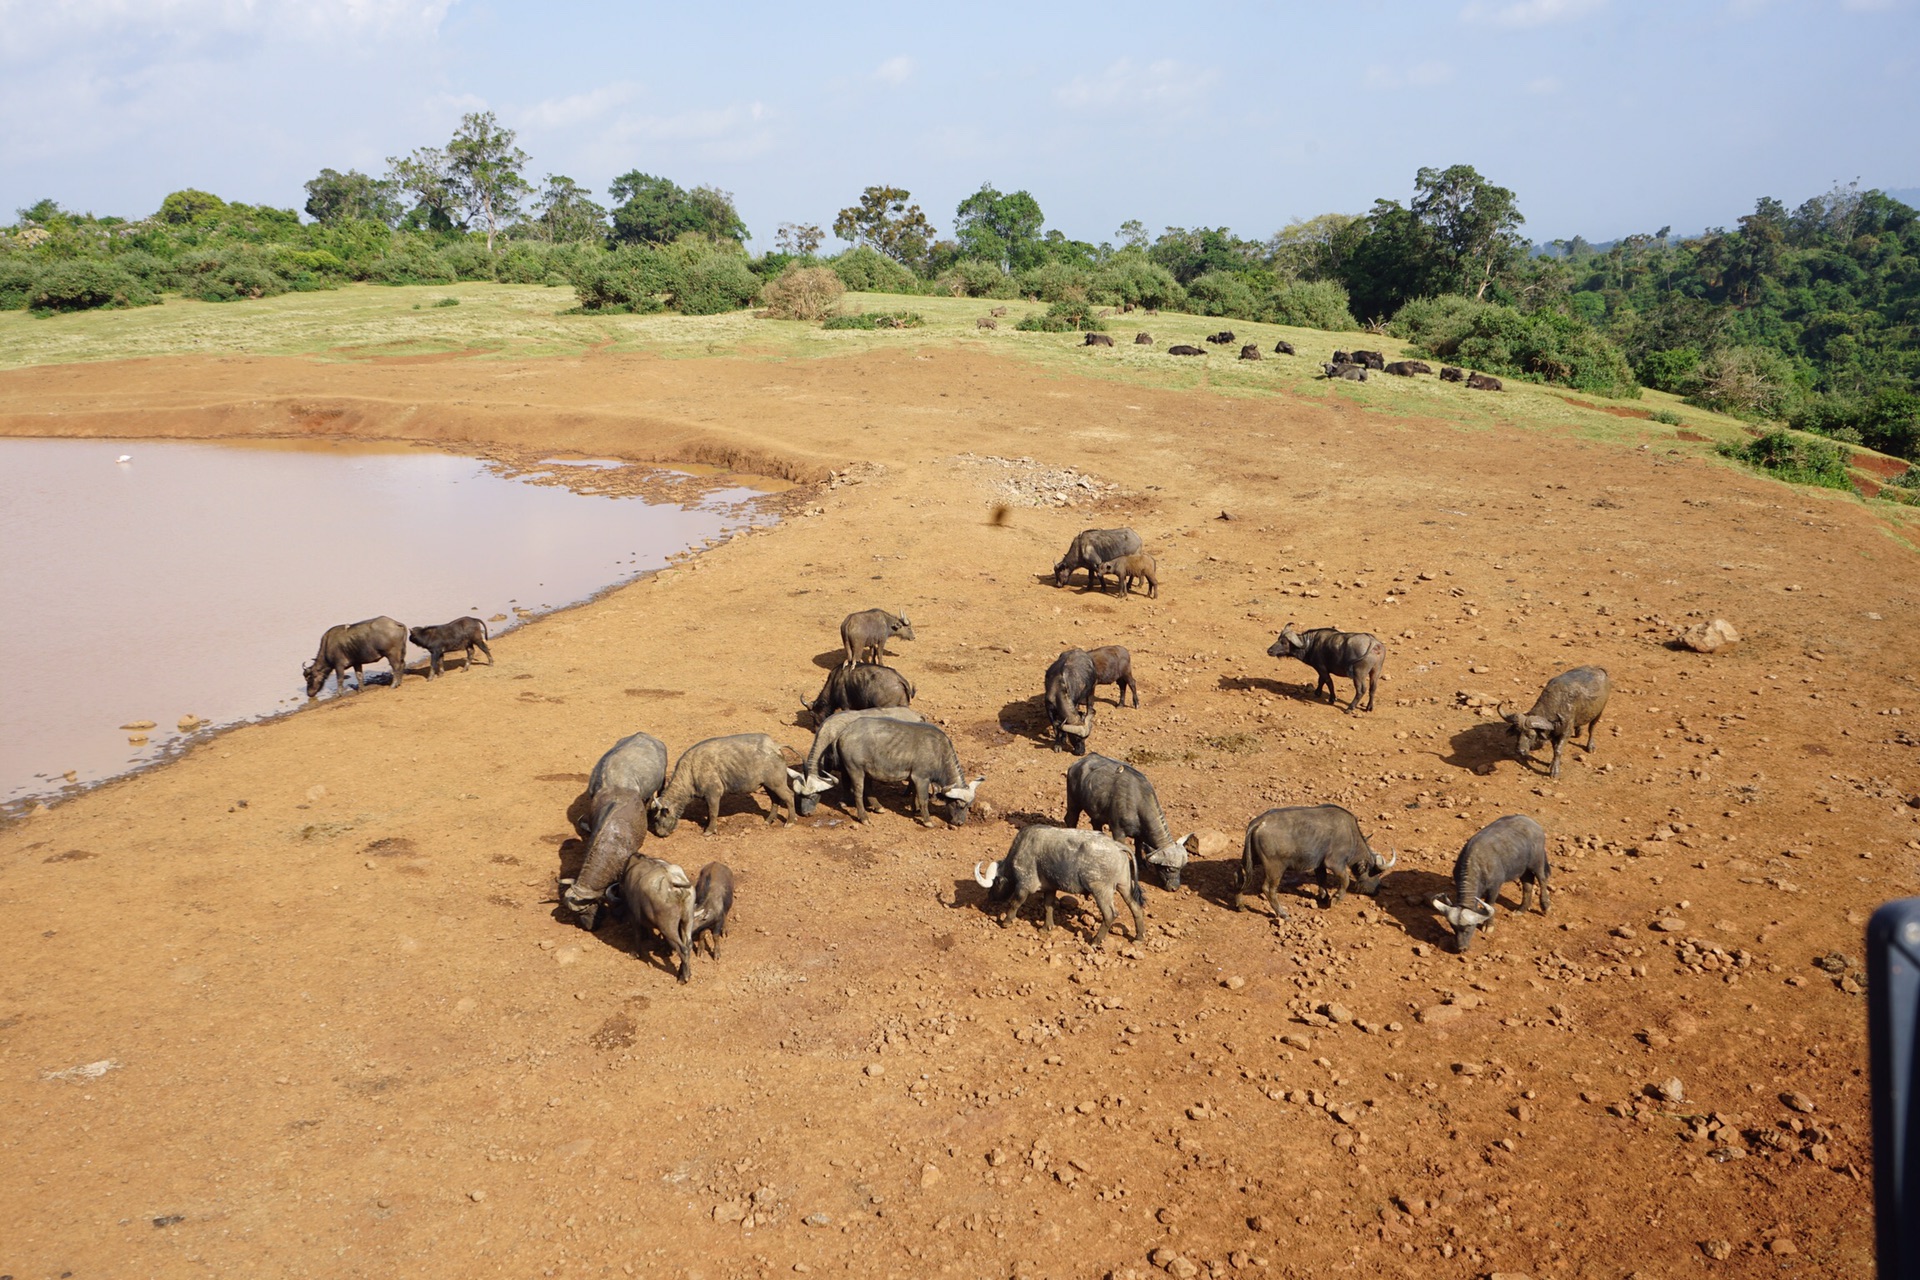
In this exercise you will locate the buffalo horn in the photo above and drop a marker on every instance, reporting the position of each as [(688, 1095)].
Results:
[(985, 881)]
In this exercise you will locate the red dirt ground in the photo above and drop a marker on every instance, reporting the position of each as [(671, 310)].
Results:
[(351, 1038)]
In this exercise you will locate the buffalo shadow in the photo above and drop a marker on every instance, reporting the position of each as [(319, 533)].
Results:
[(1480, 747), (1027, 717), (1408, 897), (1306, 691)]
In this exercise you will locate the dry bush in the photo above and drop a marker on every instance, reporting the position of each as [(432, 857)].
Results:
[(803, 293)]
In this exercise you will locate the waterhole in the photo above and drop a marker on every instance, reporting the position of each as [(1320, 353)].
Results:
[(159, 590)]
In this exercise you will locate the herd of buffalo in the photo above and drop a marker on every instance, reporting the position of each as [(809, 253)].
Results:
[(866, 732), (1351, 365)]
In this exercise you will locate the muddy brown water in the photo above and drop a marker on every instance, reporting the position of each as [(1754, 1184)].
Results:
[(193, 580)]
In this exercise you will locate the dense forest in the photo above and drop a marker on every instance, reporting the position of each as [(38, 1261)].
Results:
[(1806, 315)]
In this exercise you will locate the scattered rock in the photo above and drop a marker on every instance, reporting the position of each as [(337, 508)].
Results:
[(476, 1195), (1718, 1250), (929, 1176), (1234, 983), (1294, 1040), (876, 1069), (1781, 1246), (1798, 1102), (1668, 924), (1337, 1013), (817, 1219), (1208, 843), (138, 726), (1438, 1015), (1671, 1091), (1710, 637)]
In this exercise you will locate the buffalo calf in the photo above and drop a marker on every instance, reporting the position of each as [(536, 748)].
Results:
[(468, 633)]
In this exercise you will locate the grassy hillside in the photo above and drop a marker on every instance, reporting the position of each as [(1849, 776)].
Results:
[(493, 321)]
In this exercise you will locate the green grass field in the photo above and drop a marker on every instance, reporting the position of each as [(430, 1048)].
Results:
[(494, 321)]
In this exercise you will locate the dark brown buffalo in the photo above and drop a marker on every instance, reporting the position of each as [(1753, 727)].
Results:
[(1283, 348), (354, 645), (462, 633), (1250, 352), (1142, 339), (1184, 349), (1483, 382), (1113, 664), (1099, 340)]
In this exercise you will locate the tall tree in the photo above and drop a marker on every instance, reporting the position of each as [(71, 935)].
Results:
[(485, 166), (564, 214), (427, 176), (654, 210), (802, 239), (885, 221), (1473, 225), (1000, 228), (335, 197)]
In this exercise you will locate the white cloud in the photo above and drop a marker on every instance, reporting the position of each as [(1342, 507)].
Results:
[(894, 71), (1164, 85), (37, 31), (579, 108), (1528, 13)]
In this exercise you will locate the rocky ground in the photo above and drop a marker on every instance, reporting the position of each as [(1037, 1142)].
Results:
[(300, 1003)]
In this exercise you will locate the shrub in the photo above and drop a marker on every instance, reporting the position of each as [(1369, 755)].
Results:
[(226, 276), (1665, 417), (446, 302), (1796, 459), (1675, 370), (1309, 304), (865, 269), (877, 320), (84, 285), (1222, 293), (1747, 382), (1133, 280), (1066, 316), (803, 293), (16, 282), (1055, 282), (469, 260), (975, 278), (1889, 420), (713, 282), (414, 263), (630, 280), (1541, 346)]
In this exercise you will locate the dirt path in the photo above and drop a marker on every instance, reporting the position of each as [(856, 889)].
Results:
[(349, 1037)]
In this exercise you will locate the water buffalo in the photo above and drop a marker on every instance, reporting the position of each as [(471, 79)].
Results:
[(865, 634), (1142, 339), (662, 898), (824, 753), (1251, 351), (1052, 860), (1344, 369), (1370, 359), (1118, 797), (733, 765), (856, 686), (1283, 348), (1099, 340), (1353, 654), (1483, 382), (712, 903), (1069, 698), (1124, 569), (920, 755), (354, 645), (1322, 840), (1090, 549), (1449, 373), (612, 819), (1572, 700), (1403, 368), (1221, 338), (462, 633), (1184, 349), (1113, 664), (1506, 849)]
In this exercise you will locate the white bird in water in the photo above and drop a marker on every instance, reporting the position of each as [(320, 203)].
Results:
[(125, 457)]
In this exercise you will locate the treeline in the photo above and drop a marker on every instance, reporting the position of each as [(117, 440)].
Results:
[(1807, 316)]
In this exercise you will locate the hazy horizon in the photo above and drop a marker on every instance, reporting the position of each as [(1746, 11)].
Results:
[(1606, 118)]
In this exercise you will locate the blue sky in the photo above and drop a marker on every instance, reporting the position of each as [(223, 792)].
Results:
[(1604, 116)]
